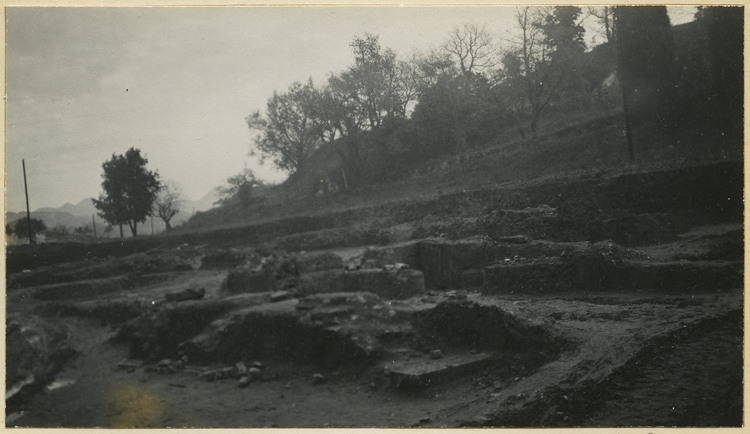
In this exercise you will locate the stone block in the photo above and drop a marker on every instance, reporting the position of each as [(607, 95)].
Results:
[(185, 295), (280, 296), (389, 284), (319, 261), (419, 373), (244, 281)]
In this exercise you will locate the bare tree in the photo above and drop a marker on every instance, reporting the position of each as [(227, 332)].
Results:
[(167, 203), (535, 59), (472, 47), (544, 61), (605, 15), (239, 186)]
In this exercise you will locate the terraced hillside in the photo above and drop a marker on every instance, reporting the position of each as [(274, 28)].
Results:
[(588, 300)]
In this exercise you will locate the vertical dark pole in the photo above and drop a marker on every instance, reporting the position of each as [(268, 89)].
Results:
[(623, 87), (93, 224), (28, 213), (343, 175), (121, 234), (152, 225)]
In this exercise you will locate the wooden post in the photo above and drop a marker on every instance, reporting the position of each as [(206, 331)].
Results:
[(623, 88), (343, 174), (28, 213)]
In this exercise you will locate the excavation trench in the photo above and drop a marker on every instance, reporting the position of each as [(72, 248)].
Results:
[(414, 343)]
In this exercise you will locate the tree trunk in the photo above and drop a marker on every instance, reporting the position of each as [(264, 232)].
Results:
[(133, 228), (534, 121), (169, 227), (122, 235)]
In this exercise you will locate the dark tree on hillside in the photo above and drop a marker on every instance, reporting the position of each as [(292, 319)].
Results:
[(22, 226), (605, 16), (551, 42), (455, 113), (647, 73), (376, 88), (239, 186), (129, 190), (725, 26)]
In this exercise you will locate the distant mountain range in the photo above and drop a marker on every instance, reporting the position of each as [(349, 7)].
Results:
[(73, 216)]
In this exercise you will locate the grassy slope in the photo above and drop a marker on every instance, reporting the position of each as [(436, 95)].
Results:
[(567, 145)]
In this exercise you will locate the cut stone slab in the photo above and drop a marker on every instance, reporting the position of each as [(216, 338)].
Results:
[(185, 295), (377, 257), (514, 239), (445, 261), (92, 288), (426, 372), (389, 284), (224, 259), (319, 261), (243, 281), (598, 274), (280, 296)]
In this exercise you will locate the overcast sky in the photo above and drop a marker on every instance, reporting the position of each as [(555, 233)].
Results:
[(177, 83)]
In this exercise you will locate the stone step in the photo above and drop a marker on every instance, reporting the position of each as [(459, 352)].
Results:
[(427, 371), (388, 284)]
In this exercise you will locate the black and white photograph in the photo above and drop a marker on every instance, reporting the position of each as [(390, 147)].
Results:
[(382, 216)]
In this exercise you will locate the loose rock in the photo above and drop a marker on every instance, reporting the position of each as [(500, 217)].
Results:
[(318, 379), (514, 239), (253, 373), (185, 295), (244, 382), (241, 369), (280, 296)]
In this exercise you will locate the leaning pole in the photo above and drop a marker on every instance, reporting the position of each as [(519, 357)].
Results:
[(28, 213)]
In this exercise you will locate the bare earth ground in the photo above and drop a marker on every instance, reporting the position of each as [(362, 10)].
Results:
[(559, 327)]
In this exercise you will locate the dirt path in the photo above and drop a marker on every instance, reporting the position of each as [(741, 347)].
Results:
[(610, 333), (693, 380)]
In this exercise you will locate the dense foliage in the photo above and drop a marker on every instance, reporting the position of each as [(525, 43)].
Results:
[(383, 114), (129, 190), (239, 187), (21, 227)]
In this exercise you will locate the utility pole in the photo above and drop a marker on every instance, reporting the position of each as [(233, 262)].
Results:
[(28, 213)]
